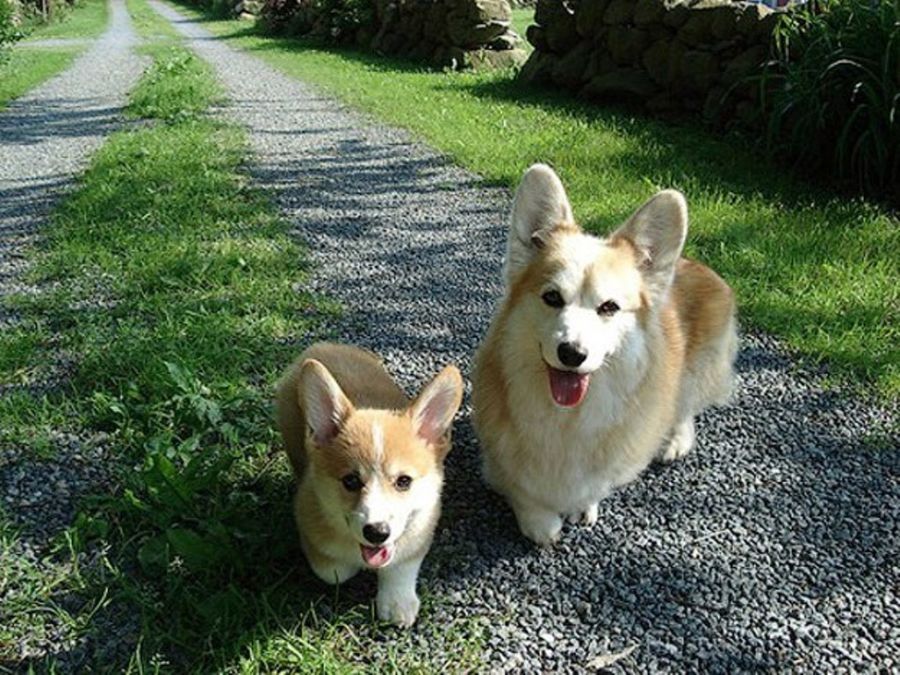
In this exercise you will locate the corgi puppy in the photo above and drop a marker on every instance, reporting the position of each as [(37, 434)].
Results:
[(600, 355), (369, 468)]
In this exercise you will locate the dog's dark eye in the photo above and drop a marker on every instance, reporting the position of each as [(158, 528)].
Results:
[(553, 299), (608, 308), (352, 482), (402, 483)]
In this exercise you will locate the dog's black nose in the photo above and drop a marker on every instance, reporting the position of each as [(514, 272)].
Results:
[(570, 355), (376, 532)]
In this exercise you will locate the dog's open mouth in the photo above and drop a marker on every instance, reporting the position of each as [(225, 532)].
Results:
[(376, 556), (568, 388)]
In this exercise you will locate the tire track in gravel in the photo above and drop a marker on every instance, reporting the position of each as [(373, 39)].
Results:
[(47, 137), (774, 545)]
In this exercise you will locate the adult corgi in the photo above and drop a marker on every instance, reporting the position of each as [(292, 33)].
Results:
[(599, 356)]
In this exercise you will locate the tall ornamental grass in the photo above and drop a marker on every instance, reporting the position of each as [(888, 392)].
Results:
[(835, 111)]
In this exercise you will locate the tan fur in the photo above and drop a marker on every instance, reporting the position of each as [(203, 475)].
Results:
[(550, 462), (360, 374), (323, 506)]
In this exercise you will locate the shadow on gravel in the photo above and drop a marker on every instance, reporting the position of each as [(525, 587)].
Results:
[(56, 118), (734, 559)]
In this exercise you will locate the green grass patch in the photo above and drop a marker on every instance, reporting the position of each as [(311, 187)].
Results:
[(817, 269), (149, 24), (522, 17), (86, 19), (26, 68), (177, 86)]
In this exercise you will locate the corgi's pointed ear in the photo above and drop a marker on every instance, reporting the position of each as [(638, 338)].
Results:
[(433, 410), (539, 206), (324, 403), (658, 230)]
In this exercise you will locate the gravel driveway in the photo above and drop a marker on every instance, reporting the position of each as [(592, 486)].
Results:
[(774, 545), (48, 135)]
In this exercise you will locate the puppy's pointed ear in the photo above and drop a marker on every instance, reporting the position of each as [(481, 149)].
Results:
[(539, 206), (658, 230), (324, 404), (433, 410)]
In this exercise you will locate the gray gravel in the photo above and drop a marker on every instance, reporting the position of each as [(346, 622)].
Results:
[(774, 545), (46, 138)]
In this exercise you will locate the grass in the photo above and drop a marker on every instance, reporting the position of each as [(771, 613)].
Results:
[(817, 269), (175, 292), (87, 19), (26, 68), (149, 24), (522, 17), (27, 65)]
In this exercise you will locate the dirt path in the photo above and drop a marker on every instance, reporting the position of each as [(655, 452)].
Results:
[(773, 545)]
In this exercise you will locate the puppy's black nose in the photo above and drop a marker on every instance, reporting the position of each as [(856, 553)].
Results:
[(570, 355), (376, 532)]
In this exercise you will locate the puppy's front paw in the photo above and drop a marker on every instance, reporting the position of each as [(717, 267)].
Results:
[(587, 517), (399, 609), (680, 442), (542, 527)]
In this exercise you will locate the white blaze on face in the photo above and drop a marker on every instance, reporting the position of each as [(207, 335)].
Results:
[(378, 442), (594, 273), (380, 501)]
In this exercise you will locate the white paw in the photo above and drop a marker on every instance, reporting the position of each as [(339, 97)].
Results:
[(680, 443), (543, 528), (399, 609), (589, 516)]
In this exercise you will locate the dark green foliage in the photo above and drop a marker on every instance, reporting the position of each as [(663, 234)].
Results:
[(332, 20), (835, 110), (9, 29), (176, 87)]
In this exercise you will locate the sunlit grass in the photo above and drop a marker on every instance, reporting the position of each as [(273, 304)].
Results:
[(86, 19)]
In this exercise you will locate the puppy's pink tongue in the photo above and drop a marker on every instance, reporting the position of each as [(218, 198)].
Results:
[(375, 556), (568, 388)]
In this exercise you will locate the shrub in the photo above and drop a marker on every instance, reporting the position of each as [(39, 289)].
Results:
[(9, 26), (333, 20), (835, 109)]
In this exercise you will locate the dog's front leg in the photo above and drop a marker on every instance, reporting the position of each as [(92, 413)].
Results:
[(537, 522), (587, 517), (332, 571), (397, 601)]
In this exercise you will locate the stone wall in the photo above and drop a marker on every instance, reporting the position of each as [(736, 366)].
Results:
[(671, 56), (445, 33)]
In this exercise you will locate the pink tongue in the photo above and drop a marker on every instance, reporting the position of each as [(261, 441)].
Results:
[(375, 556), (568, 388)]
